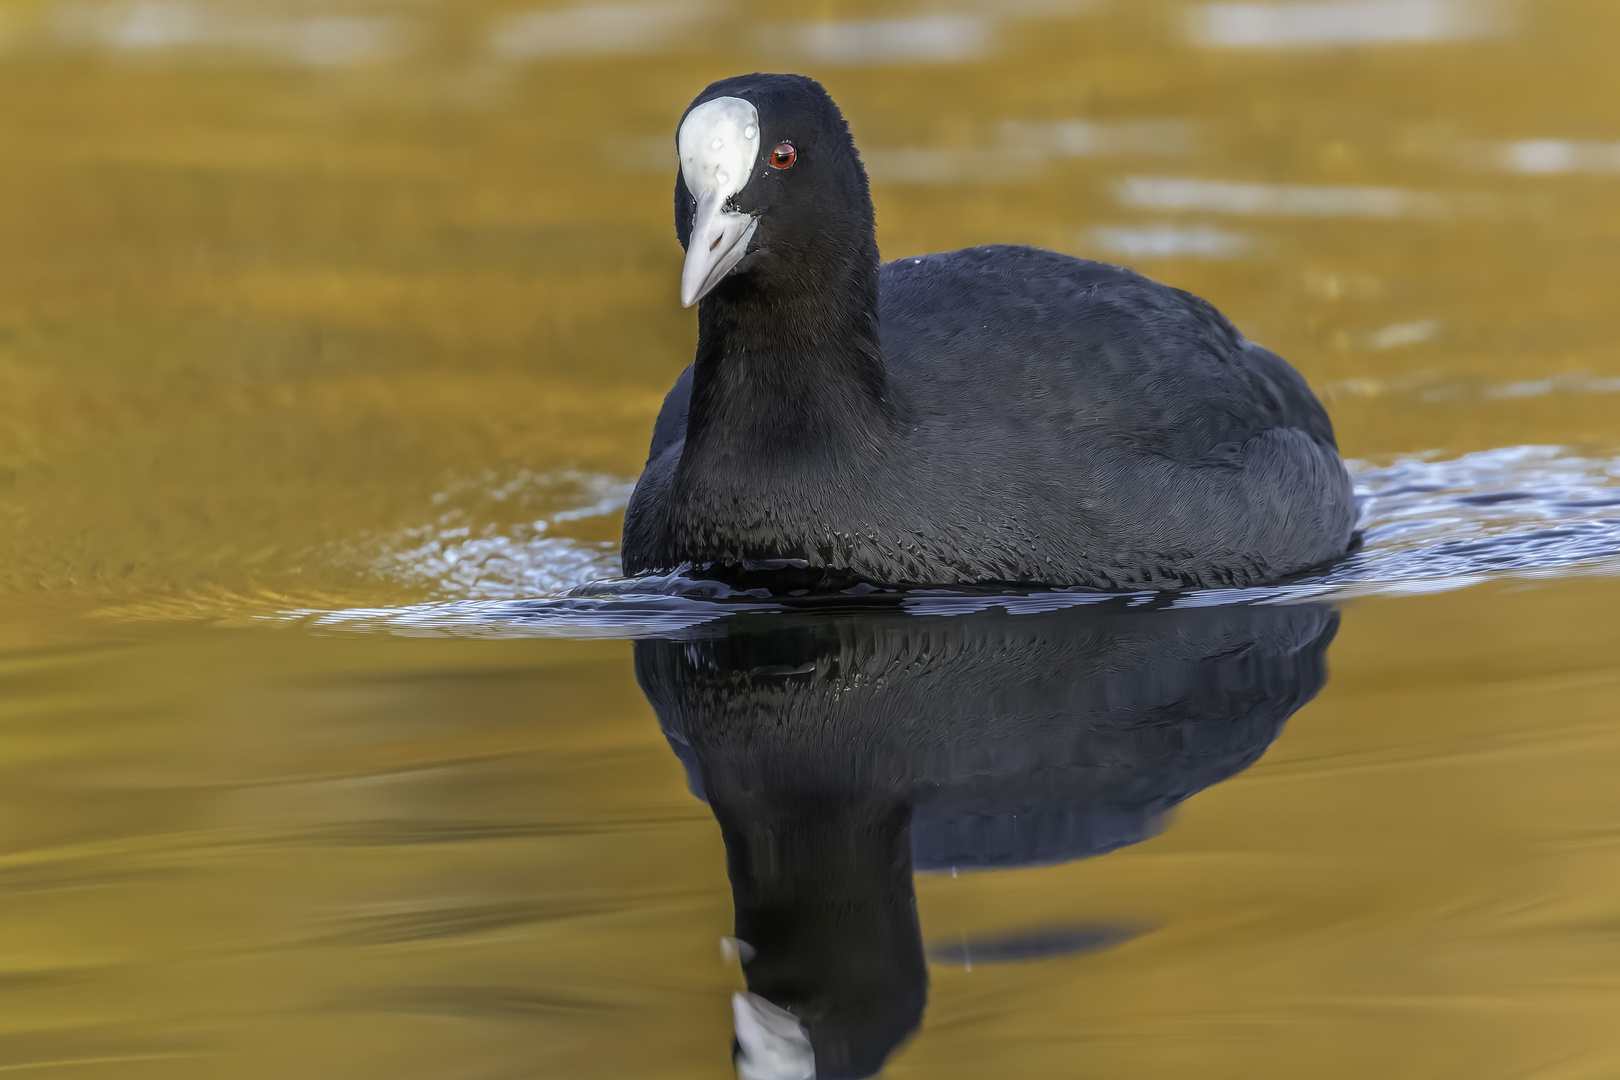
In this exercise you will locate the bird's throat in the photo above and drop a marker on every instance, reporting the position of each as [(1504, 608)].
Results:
[(799, 386), (789, 425)]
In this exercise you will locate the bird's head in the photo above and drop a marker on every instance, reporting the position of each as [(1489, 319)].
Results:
[(770, 185)]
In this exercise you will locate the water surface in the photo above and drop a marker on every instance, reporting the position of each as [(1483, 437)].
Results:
[(330, 339)]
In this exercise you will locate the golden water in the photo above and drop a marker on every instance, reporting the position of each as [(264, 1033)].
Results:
[(286, 286)]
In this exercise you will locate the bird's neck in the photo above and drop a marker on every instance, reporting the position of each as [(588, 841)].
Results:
[(790, 371)]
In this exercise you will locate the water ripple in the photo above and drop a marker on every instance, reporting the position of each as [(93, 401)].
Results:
[(492, 537), (1428, 525)]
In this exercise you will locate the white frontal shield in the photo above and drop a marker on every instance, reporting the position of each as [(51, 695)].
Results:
[(718, 142)]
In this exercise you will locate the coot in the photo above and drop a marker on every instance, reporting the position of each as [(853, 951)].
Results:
[(996, 415)]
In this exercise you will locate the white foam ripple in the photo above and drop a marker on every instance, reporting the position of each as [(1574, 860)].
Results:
[(1428, 525)]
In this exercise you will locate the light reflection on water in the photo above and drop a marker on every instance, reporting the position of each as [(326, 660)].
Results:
[(1021, 147), (600, 29), (1281, 200), (1554, 157), (1327, 24), (1167, 242), (148, 27)]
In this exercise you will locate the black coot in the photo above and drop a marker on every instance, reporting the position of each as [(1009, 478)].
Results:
[(994, 415)]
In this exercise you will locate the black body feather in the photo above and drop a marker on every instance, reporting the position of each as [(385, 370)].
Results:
[(994, 415)]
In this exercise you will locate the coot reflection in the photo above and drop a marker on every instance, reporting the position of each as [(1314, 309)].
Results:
[(842, 752)]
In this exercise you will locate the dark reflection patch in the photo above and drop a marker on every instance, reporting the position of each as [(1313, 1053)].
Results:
[(1040, 943)]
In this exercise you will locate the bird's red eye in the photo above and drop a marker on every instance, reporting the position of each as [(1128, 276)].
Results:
[(783, 155)]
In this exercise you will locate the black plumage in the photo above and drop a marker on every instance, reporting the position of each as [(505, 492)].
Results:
[(998, 414)]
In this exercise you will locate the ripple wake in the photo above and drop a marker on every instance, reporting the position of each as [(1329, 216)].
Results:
[(1428, 525)]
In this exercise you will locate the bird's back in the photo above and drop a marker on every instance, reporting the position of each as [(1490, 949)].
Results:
[(1122, 423), (1006, 337)]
